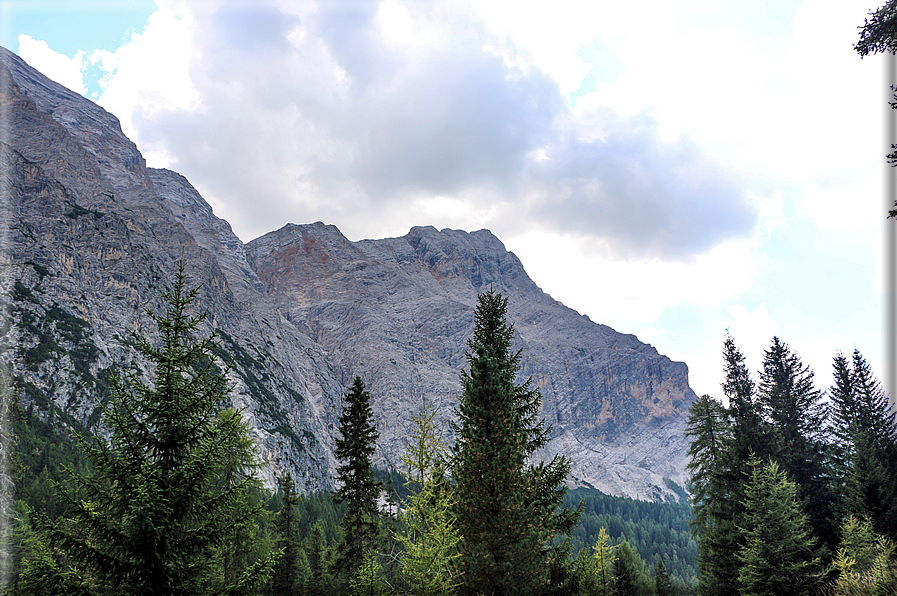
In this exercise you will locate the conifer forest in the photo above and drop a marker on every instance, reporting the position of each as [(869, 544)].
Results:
[(793, 490), (792, 479)]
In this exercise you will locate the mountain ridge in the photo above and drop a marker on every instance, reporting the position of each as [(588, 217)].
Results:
[(93, 234)]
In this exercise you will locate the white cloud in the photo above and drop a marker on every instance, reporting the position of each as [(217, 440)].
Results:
[(150, 74), (752, 331), (348, 112), (630, 295), (716, 163), (62, 69)]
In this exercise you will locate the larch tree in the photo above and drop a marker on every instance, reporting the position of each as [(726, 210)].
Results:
[(159, 501), (358, 488), (507, 510), (603, 557), (428, 534)]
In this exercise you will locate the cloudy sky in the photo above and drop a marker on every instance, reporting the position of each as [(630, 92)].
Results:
[(670, 169)]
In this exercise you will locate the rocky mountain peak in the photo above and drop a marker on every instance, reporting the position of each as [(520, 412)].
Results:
[(93, 238)]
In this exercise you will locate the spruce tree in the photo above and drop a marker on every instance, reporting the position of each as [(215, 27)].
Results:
[(630, 577), (319, 580), (663, 585), (286, 579), (358, 488), (158, 501), (750, 438), (797, 417), (751, 435), (777, 553), (507, 510), (711, 487), (866, 444)]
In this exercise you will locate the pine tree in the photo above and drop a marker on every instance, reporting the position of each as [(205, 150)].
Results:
[(358, 488), (507, 510), (145, 519), (777, 556), (286, 579)]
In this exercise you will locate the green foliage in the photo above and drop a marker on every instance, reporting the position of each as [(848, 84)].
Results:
[(507, 511), (367, 579), (711, 483), (428, 535), (866, 445), (656, 530), (358, 488), (319, 582), (42, 457), (865, 563), (857, 545), (777, 555), (663, 585), (797, 419), (604, 558), (630, 577), (879, 34), (158, 496), (287, 578)]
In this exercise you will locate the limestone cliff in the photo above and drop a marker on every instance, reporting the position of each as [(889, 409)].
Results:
[(90, 237)]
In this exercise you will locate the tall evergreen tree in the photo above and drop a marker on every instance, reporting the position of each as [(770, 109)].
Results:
[(630, 577), (319, 580), (156, 503), (720, 498), (358, 488), (507, 510), (797, 416), (663, 585), (286, 579), (866, 444), (777, 556), (750, 430), (711, 488)]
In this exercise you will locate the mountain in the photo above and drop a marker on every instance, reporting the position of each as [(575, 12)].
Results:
[(90, 239)]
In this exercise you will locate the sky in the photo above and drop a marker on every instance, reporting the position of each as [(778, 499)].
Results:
[(673, 170)]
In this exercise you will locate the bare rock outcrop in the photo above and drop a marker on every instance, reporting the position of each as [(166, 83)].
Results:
[(90, 239)]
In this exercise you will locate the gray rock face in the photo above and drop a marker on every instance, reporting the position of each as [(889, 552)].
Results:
[(91, 237), (399, 311)]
